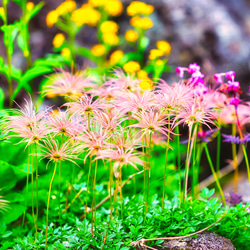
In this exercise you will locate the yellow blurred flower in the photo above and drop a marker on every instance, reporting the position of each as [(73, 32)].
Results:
[(164, 46), (131, 67), (65, 7), (30, 6), (146, 84), (86, 15), (65, 52), (131, 35), (113, 7), (148, 9), (110, 39), (155, 53), (51, 18), (141, 22), (109, 26), (58, 40), (139, 8), (98, 50), (96, 3), (116, 56), (159, 62), (141, 74)]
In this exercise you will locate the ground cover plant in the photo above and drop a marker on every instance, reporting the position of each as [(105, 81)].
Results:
[(111, 165)]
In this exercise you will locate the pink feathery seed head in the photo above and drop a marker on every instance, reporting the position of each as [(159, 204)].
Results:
[(68, 84), (134, 102), (66, 123), (121, 157), (28, 124), (174, 97), (86, 105), (94, 140), (152, 121), (196, 114), (122, 82), (180, 71), (200, 89), (54, 151), (111, 118), (126, 138), (33, 135), (194, 67)]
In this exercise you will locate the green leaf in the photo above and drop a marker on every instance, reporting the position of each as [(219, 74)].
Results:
[(21, 42), (10, 33), (7, 176), (18, 2), (15, 211), (29, 75), (143, 43), (86, 53), (2, 97), (52, 61), (35, 10), (131, 56)]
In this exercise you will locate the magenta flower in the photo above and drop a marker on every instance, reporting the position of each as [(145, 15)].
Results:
[(193, 68), (230, 75), (219, 77), (180, 71)]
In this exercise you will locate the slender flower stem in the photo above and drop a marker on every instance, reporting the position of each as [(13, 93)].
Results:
[(214, 174), (165, 168), (188, 157), (148, 177), (47, 215), (234, 152), (94, 201), (177, 130), (195, 172), (27, 184), (36, 190), (218, 153), (120, 176)]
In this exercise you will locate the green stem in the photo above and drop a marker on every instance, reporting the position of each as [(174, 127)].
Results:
[(234, 152), (120, 175), (27, 184), (215, 175), (165, 167), (188, 156), (195, 172), (218, 153), (36, 190), (47, 215), (94, 201)]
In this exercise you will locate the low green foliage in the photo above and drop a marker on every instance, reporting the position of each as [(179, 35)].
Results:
[(174, 220)]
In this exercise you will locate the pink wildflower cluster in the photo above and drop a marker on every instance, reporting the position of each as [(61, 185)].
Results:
[(113, 121)]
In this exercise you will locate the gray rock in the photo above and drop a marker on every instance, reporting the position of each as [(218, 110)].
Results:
[(204, 241)]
